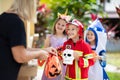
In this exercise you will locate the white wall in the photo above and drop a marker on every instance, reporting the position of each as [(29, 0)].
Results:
[(110, 7)]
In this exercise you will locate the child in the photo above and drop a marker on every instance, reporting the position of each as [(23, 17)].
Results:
[(59, 36), (57, 39), (97, 37), (82, 52)]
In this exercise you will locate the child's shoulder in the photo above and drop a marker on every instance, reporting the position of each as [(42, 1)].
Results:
[(84, 43), (49, 35)]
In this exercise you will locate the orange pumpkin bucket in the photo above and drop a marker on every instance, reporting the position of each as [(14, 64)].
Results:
[(52, 67)]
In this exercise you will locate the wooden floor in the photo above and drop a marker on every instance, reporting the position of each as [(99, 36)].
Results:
[(27, 72)]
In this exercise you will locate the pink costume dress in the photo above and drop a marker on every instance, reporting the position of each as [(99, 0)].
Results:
[(56, 42)]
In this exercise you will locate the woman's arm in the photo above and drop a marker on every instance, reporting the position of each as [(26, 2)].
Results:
[(22, 55)]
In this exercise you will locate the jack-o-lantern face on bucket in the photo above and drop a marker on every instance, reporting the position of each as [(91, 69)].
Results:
[(53, 67)]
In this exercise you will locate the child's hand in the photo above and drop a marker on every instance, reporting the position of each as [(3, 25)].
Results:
[(97, 58), (76, 55), (59, 51)]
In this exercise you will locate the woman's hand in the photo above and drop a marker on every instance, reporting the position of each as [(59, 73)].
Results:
[(46, 51), (44, 55), (51, 50)]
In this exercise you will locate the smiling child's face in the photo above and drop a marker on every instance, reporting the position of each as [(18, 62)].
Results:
[(90, 36), (60, 26), (72, 31)]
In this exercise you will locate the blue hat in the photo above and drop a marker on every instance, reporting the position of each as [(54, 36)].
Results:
[(100, 34), (97, 26)]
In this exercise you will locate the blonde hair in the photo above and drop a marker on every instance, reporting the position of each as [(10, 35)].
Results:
[(26, 9)]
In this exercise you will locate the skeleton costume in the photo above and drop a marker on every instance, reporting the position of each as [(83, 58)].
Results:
[(97, 72), (79, 69)]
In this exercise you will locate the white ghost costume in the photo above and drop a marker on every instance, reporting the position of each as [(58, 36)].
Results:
[(97, 72)]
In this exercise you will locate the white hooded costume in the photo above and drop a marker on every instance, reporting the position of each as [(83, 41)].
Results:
[(97, 72)]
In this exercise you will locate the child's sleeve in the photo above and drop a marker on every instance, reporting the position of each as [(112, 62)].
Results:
[(87, 59)]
